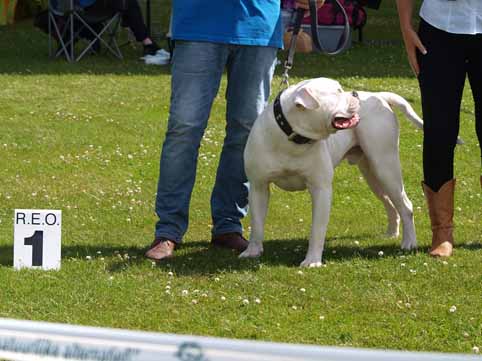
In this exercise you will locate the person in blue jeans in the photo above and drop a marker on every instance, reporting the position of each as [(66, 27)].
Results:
[(242, 37)]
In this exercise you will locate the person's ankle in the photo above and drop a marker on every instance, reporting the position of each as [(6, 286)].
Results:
[(147, 41)]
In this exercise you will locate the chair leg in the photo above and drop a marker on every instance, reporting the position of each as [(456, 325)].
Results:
[(114, 22), (112, 37), (64, 37)]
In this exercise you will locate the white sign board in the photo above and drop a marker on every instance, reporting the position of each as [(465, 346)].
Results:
[(40, 341), (37, 236)]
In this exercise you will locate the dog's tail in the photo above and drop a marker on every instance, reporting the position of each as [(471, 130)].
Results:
[(396, 100)]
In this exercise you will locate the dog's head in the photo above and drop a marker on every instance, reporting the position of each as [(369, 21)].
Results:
[(319, 107)]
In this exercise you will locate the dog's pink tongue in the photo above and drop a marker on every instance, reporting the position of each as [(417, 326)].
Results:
[(346, 123)]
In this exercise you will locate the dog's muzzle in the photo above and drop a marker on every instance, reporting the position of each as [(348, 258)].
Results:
[(350, 120)]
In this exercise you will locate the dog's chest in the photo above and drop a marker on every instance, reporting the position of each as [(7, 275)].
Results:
[(289, 179), (292, 169), (292, 183)]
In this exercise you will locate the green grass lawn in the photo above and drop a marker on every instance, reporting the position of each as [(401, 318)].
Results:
[(85, 138)]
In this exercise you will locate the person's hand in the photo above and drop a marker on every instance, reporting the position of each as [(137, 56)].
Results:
[(304, 4), (412, 44)]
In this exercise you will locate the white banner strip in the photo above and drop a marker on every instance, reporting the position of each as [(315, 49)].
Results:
[(41, 341)]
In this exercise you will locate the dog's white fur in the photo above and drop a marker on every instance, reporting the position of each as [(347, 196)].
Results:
[(310, 107)]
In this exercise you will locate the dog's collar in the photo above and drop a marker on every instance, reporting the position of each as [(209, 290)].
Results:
[(285, 125)]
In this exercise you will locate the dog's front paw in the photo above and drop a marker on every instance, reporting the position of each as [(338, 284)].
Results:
[(254, 250), (311, 262), (409, 244)]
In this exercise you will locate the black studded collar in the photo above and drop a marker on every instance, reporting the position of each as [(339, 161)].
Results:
[(285, 125)]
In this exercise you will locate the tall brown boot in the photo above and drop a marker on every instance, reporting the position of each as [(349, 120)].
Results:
[(441, 211)]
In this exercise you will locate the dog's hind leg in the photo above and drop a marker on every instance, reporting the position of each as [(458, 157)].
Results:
[(258, 205), (389, 175), (392, 215)]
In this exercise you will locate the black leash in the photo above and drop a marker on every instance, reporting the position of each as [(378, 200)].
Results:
[(342, 43)]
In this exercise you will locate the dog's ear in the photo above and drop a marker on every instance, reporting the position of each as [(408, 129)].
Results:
[(305, 99)]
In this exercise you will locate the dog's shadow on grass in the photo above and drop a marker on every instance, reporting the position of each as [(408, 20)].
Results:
[(199, 258)]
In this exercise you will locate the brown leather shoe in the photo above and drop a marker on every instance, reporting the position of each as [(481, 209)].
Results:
[(232, 240), (161, 248)]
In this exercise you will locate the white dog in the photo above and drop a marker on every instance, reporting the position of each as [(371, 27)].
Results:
[(298, 141)]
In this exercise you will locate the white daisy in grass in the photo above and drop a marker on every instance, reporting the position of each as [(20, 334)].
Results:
[(294, 307), (302, 290), (452, 309), (88, 258), (223, 298), (322, 317), (475, 349), (257, 301), (170, 274), (185, 292), (194, 302), (245, 301), (380, 253)]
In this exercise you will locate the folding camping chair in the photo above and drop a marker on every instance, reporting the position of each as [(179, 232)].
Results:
[(69, 23)]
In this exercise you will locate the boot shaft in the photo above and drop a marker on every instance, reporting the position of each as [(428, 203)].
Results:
[(441, 212)]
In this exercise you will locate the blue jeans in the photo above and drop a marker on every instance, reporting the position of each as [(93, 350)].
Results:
[(197, 69)]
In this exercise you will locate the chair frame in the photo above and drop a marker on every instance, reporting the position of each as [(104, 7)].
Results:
[(68, 35)]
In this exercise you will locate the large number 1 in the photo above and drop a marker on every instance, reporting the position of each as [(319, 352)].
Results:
[(37, 243)]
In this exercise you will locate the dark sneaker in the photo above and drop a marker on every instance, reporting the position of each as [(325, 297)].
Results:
[(161, 248), (232, 240), (151, 49)]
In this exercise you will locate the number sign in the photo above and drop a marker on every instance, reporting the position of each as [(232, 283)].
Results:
[(37, 236)]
